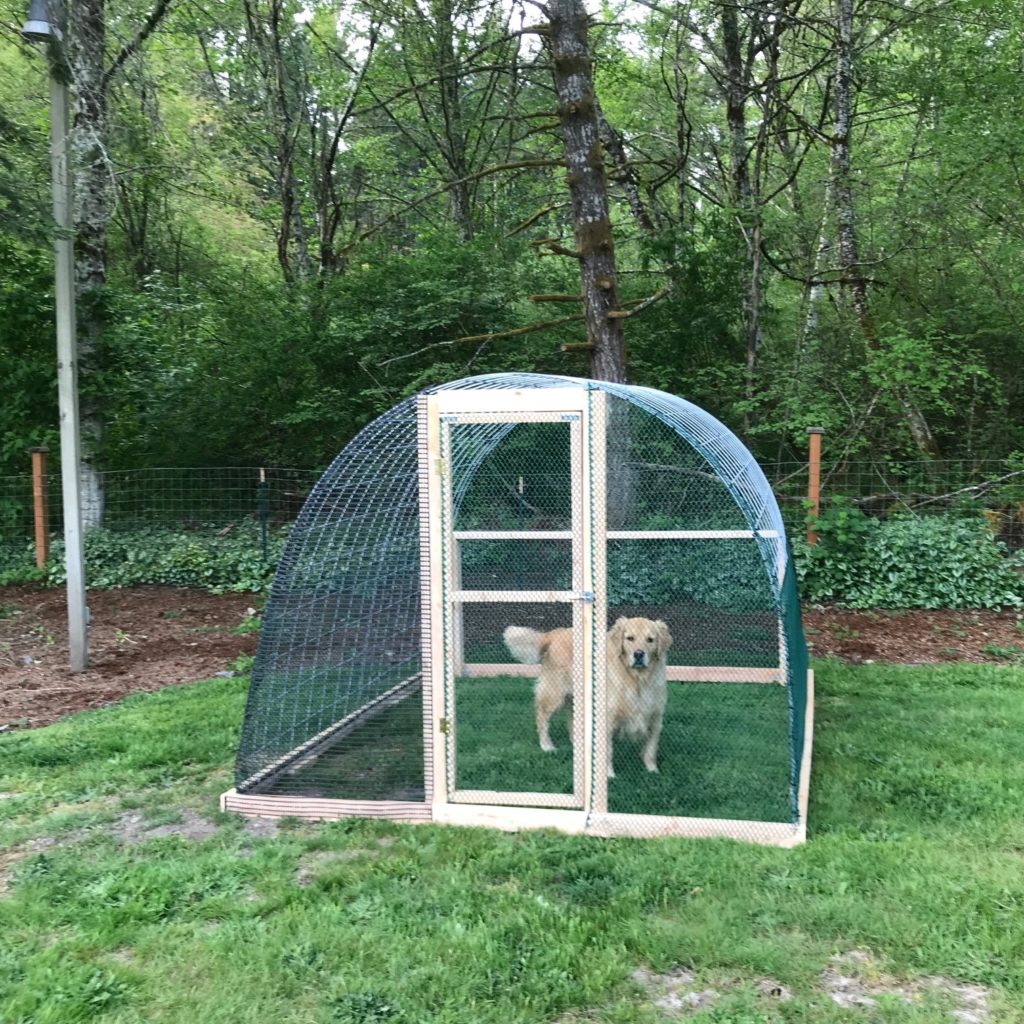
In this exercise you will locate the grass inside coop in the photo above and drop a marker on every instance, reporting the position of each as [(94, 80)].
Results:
[(724, 753)]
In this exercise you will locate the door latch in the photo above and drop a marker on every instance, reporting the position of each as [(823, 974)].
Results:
[(443, 725)]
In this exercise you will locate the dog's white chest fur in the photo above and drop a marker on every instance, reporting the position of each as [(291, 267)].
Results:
[(635, 708)]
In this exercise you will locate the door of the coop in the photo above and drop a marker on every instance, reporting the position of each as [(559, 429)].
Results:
[(510, 518)]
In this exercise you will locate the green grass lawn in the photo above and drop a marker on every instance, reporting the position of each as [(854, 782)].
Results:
[(915, 857)]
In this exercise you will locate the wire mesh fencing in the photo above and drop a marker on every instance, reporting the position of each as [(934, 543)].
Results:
[(989, 490), (187, 516), (206, 526)]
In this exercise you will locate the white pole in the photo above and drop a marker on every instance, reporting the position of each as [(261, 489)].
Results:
[(67, 365)]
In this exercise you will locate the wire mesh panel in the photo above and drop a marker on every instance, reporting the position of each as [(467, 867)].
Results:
[(587, 589), (334, 707), (512, 534)]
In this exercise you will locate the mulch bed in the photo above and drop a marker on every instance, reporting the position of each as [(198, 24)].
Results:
[(146, 638)]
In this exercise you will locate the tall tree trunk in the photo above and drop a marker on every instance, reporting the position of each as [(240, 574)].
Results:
[(92, 182), (588, 192), (460, 206), (854, 282), (736, 88), (588, 188)]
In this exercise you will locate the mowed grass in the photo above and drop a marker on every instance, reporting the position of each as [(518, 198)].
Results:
[(916, 853), (724, 750)]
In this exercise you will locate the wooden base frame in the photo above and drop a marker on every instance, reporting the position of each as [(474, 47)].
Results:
[(513, 818)]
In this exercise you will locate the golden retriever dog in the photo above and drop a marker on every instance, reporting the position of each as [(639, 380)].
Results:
[(636, 650)]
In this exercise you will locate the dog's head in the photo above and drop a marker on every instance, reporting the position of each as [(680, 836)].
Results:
[(640, 642)]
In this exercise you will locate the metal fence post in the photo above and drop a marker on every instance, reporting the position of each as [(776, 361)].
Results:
[(813, 480), (40, 506)]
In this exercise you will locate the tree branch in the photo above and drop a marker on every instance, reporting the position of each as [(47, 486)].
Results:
[(148, 26)]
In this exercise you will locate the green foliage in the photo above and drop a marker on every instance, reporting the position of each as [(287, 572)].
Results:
[(935, 562), (156, 555)]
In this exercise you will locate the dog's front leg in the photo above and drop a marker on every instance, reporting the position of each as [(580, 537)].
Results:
[(611, 756), (651, 746)]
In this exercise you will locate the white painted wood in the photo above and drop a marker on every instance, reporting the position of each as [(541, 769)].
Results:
[(511, 400), (516, 596), (427, 446), (513, 535), (803, 793), (510, 819), (321, 808), (689, 534), (436, 475), (722, 674), (616, 534), (674, 673), (517, 799), (650, 826), (638, 826), (597, 581)]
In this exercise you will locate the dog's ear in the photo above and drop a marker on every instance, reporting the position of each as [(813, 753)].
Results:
[(617, 632), (663, 635)]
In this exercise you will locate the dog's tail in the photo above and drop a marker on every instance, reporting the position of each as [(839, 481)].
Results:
[(525, 644)]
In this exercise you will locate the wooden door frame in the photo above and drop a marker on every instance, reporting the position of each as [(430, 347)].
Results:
[(440, 562)]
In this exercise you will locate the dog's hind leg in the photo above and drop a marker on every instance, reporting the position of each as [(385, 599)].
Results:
[(546, 703)]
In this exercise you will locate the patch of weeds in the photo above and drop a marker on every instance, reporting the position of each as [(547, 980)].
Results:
[(841, 631), (363, 1008), (43, 634), (242, 665), (172, 613), (250, 624), (1004, 652), (303, 957), (8, 611)]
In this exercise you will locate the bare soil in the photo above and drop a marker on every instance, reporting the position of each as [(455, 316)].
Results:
[(146, 638), (142, 638)]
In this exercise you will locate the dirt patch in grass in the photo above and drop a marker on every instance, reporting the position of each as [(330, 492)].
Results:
[(674, 992), (132, 828), (854, 980), (140, 639), (312, 863), (145, 638)]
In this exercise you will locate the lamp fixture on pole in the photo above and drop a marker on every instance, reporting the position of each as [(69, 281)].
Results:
[(45, 24)]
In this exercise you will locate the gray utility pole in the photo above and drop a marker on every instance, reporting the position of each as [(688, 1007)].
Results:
[(45, 24)]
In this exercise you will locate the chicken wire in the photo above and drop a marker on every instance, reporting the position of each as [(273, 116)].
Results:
[(336, 711)]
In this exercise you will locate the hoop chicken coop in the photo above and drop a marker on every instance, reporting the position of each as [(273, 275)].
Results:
[(524, 601)]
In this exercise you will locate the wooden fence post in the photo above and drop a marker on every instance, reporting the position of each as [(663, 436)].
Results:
[(40, 506), (813, 478)]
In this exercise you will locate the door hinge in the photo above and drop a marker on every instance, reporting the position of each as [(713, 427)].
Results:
[(587, 597), (443, 725)]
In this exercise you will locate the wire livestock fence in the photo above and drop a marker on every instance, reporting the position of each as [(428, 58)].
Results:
[(987, 489), (237, 517), (155, 515)]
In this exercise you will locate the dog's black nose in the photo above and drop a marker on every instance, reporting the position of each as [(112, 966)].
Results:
[(638, 657)]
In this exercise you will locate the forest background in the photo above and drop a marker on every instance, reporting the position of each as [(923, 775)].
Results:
[(291, 214)]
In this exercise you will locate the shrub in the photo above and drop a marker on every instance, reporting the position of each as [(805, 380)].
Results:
[(210, 558), (935, 562)]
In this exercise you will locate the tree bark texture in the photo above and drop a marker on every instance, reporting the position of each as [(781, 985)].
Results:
[(92, 183), (854, 282), (588, 187)]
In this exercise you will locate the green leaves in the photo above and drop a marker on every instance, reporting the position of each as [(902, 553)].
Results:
[(177, 558), (938, 562)]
